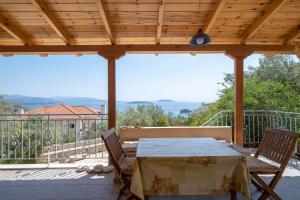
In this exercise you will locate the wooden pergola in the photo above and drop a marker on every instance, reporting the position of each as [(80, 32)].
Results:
[(113, 28)]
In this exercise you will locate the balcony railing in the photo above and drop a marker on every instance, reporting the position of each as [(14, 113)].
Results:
[(55, 137), (69, 137), (256, 121)]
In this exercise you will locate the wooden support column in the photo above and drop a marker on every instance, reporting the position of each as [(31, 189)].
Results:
[(111, 57), (239, 100), (238, 136), (111, 92)]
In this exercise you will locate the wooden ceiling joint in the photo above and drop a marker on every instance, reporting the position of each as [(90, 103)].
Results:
[(259, 22), (214, 15), (47, 14), (105, 21), (290, 37), (160, 21), (14, 31)]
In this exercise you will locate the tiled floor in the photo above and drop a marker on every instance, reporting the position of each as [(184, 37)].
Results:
[(55, 184), (43, 184)]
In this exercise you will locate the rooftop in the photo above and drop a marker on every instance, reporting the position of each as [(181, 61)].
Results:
[(64, 111)]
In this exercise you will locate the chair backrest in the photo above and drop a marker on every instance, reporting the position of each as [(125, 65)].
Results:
[(277, 145), (113, 147)]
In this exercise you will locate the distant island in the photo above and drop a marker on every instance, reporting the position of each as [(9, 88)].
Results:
[(185, 111), (139, 102), (151, 102), (165, 100)]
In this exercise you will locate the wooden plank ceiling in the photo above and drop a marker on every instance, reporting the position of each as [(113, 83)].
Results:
[(106, 22)]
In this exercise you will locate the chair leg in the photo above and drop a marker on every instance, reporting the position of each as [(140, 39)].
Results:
[(233, 194), (132, 197), (125, 186), (122, 190), (258, 187), (119, 194), (268, 189)]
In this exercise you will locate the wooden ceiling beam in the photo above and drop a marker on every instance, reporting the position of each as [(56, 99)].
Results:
[(105, 21), (14, 31), (292, 35), (214, 15), (7, 55), (259, 22), (41, 6), (160, 20), (141, 49)]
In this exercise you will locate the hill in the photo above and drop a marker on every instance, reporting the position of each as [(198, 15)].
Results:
[(26, 100), (79, 100), (34, 102)]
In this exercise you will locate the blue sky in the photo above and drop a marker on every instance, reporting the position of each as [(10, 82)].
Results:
[(180, 77)]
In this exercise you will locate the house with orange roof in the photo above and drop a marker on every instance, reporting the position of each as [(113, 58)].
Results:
[(62, 111), (76, 118)]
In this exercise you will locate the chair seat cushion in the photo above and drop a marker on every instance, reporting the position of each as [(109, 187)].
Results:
[(126, 165), (241, 150), (256, 165)]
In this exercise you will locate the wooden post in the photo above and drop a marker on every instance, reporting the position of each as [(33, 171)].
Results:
[(111, 92), (239, 100), (111, 63), (111, 57), (238, 57)]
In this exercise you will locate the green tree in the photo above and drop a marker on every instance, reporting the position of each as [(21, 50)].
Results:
[(8, 108), (273, 85), (142, 115)]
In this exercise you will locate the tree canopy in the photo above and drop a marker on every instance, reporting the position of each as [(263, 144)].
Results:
[(8, 108), (273, 85)]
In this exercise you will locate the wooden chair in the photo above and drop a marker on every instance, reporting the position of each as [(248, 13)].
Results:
[(121, 162), (277, 145)]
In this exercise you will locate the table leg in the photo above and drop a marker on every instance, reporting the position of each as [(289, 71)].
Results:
[(233, 194)]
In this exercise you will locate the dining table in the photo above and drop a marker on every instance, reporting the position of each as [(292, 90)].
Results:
[(188, 166)]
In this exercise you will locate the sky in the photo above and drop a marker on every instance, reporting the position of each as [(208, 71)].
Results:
[(180, 77)]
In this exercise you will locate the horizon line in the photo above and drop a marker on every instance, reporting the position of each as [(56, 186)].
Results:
[(132, 100)]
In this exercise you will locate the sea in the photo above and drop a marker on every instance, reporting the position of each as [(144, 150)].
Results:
[(168, 107), (173, 107)]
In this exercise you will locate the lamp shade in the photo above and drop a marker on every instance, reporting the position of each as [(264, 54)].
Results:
[(200, 38)]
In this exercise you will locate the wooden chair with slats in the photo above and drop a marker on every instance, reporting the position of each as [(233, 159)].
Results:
[(122, 163), (277, 146)]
